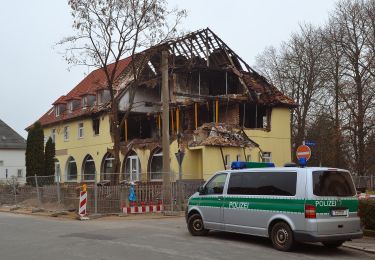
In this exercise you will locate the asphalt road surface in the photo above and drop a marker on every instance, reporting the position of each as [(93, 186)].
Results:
[(30, 237)]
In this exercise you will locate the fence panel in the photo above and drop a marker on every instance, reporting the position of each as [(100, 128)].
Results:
[(45, 192)]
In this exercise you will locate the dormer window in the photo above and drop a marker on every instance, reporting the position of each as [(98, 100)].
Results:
[(84, 102), (70, 106), (103, 96), (59, 109)]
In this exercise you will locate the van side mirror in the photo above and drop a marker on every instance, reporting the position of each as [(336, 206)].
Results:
[(201, 190)]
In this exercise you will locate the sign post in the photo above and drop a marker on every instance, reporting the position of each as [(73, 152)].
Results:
[(180, 157), (303, 154)]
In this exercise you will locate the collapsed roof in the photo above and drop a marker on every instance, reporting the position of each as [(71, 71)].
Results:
[(223, 135), (200, 50)]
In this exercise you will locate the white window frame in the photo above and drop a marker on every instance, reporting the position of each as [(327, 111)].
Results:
[(158, 154), (66, 133), (57, 110), (70, 106), (266, 157), (19, 173), (238, 157), (84, 102), (80, 132)]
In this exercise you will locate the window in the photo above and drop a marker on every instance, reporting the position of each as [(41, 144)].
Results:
[(19, 173), (71, 170), (53, 135), (100, 97), (66, 133), (132, 167), (157, 165), (88, 168), (227, 161), (1, 163), (216, 184), (332, 183), (263, 183), (266, 157), (108, 168), (80, 130), (84, 102), (248, 158), (70, 107), (238, 157), (96, 125), (57, 110)]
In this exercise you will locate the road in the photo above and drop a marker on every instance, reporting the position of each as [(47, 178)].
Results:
[(31, 237)]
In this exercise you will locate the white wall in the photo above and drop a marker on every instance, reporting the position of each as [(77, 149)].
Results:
[(143, 94), (13, 160)]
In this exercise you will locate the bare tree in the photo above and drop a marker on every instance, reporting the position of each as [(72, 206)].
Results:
[(107, 31), (356, 40), (297, 70)]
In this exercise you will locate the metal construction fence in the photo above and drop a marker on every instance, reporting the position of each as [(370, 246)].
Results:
[(364, 183), (103, 196)]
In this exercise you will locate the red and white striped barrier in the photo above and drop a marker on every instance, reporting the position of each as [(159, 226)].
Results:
[(82, 204), (134, 209), (365, 196)]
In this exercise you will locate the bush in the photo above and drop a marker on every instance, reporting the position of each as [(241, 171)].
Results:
[(367, 213)]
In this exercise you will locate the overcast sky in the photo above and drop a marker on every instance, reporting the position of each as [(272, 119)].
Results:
[(34, 74)]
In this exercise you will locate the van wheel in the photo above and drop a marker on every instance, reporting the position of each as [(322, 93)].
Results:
[(282, 236), (333, 244), (196, 226)]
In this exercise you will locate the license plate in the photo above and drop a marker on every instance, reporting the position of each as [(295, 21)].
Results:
[(339, 212)]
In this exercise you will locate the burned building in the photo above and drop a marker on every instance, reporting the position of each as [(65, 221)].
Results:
[(221, 110)]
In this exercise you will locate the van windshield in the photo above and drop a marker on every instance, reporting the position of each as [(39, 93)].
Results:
[(333, 183)]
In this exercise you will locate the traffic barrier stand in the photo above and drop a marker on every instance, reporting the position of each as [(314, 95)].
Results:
[(143, 208), (82, 212)]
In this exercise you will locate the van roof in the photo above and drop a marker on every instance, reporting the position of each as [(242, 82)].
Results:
[(275, 169)]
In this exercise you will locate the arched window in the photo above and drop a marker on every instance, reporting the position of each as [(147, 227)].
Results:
[(132, 167), (57, 170), (156, 165), (71, 169), (108, 168), (88, 169)]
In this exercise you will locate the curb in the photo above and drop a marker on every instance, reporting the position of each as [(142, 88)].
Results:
[(364, 249)]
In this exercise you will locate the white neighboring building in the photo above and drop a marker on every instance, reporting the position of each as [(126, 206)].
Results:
[(12, 155)]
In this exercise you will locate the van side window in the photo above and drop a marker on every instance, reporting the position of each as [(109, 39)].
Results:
[(263, 183), (333, 183), (216, 185)]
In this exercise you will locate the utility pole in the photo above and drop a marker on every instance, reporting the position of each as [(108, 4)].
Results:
[(165, 131)]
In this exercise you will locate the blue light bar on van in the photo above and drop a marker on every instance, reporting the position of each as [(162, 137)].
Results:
[(246, 165)]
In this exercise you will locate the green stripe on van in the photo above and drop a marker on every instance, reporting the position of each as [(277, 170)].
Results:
[(275, 204)]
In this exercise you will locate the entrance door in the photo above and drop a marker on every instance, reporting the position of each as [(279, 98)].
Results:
[(132, 168)]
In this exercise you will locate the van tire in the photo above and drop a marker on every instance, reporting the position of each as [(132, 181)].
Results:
[(333, 244), (282, 236), (196, 226)]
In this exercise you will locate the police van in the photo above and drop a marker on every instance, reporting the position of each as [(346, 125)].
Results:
[(286, 204)]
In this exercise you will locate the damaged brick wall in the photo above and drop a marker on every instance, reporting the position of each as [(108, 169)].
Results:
[(229, 114)]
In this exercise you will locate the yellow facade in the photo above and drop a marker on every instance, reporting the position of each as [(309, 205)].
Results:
[(78, 148), (199, 162), (277, 140)]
